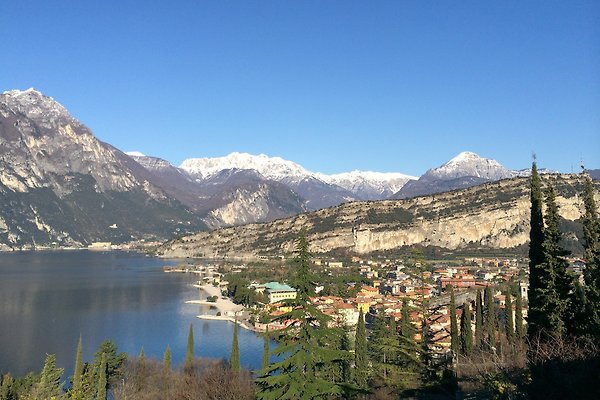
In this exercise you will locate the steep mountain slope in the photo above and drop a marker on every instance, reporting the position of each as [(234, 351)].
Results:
[(465, 170), (58, 183), (492, 215), (225, 197)]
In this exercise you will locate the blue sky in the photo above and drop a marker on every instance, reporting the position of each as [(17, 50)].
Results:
[(333, 85)]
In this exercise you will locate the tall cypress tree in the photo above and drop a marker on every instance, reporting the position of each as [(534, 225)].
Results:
[(519, 328), (510, 326), (361, 361), (234, 360), (466, 334), (102, 379), (591, 274), (490, 318), (536, 313), (454, 339), (189, 354), (557, 282), (478, 320), (76, 391), (309, 345)]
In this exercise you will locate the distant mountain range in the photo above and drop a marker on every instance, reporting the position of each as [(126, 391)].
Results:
[(59, 184)]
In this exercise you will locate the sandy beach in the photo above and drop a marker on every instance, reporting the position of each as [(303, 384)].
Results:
[(224, 305)]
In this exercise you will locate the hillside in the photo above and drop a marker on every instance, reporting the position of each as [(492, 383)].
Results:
[(490, 216)]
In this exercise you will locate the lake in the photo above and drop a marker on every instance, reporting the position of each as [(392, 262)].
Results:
[(49, 298)]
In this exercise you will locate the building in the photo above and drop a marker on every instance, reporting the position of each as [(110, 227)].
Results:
[(277, 292)]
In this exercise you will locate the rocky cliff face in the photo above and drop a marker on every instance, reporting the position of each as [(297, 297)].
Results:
[(59, 184), (493, 215)]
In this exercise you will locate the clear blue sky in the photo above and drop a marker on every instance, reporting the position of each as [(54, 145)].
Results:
[(333, 85)]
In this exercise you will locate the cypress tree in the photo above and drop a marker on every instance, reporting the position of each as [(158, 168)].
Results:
[(189, 355), (167, 359), (266, 349), (510, 328), (76, 391), (361, 361), (537, 280), (519, 329), (557, 284), (466, 335), (407, 329), (478, 320), (591, 274), (490, 322), (102, 379), (234, 360), (454, 344)]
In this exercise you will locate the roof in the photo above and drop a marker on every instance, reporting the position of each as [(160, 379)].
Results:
[(276, 286)]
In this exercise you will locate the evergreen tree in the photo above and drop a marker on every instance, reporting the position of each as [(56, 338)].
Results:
[(510, 326), (167, 360), (560, 283), (454, 344), (384, 348), (6, 388), (76, 391), (519, 329), (407, 329), (478, 320), (591, 274), (189, 355), (102, 378), (308, 343), (266, 349), (537, 279), (114, 360), (490, 318), (361, 361), (50, 386), (466, 334), (234, 360)]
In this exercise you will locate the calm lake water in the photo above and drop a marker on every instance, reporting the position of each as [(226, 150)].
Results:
[(47, 299)]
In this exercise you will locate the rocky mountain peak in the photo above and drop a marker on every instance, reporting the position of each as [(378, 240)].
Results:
[(34, 105), (470, 164)]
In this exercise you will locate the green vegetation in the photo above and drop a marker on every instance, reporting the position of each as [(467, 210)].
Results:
[(234, 359)]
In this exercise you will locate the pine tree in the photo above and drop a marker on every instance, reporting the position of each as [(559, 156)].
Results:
[(167, 359), (519, 328), (189, 355), (76, 391), (234, 360), (266, 350), (510, 326), (308, 343), (361, 361), (102, 379), (537, 279), (591, 274), (114, 361), (478, 320), (455, 340), (50, 386), (490, 318), (407, 329), (466, 334)]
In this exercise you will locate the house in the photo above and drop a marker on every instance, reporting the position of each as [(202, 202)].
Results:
[(277, 292)]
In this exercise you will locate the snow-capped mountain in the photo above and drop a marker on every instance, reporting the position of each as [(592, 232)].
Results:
[(470, 164), (274, 168), (320, 190), (369, 185), (465, 170)]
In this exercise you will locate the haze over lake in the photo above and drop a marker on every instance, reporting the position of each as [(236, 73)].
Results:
[(47, 299)]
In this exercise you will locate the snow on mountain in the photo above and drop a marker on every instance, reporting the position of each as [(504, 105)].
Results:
[(369, 185), (470, 164), (274, 168), (364, 185)]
